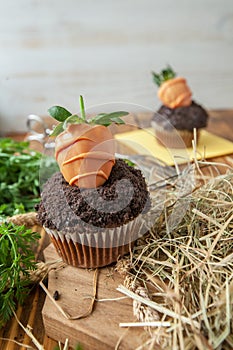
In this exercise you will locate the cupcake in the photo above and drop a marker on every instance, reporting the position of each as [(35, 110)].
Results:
[(179, 115), (93, 207)]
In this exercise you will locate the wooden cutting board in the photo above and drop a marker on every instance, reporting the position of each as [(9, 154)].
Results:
[(101, 329)]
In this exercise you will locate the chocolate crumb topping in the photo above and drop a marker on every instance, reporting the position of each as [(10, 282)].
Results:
[(182, 118), (119, 200)]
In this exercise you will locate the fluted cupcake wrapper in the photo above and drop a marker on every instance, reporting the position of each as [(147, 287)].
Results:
[(97, 249)]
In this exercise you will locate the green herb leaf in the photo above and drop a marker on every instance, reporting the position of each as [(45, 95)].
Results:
[(107, 119), (164, 75), (98, 117), (65, 117), (73, 119), (19, 177), (82, 108), (117, 120), (129, 162), (57, 130), (156, 79), (59, 113), (168, 73), (117, 114), (16, 260)]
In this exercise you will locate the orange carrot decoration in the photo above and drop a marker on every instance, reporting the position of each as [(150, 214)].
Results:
[(173, 91), (84, 149)]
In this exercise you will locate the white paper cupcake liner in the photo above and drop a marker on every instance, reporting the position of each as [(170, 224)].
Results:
[(96, 249)]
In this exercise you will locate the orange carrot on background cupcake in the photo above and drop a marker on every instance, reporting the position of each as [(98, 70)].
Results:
[(179, 114)]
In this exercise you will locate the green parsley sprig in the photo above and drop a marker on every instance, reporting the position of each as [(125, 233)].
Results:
[(64, 117), (16, 261), (19, 177)]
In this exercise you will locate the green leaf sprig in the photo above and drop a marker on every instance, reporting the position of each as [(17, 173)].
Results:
[(65, 117), (165, 74), (19, 177), (16, 261)]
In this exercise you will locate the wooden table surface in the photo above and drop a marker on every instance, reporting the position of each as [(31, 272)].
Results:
[(220, 123)]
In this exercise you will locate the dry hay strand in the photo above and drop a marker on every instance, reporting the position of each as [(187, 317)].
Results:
[(186, 263)]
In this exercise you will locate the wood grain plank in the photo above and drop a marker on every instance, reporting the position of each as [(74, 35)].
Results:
[(100, 330), (49, 343), (14, 332), (32, 317)]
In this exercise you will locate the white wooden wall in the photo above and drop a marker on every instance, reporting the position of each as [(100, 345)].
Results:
[(53, 50)]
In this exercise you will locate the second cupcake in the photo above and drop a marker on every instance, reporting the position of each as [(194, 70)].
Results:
[(179, 115)]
